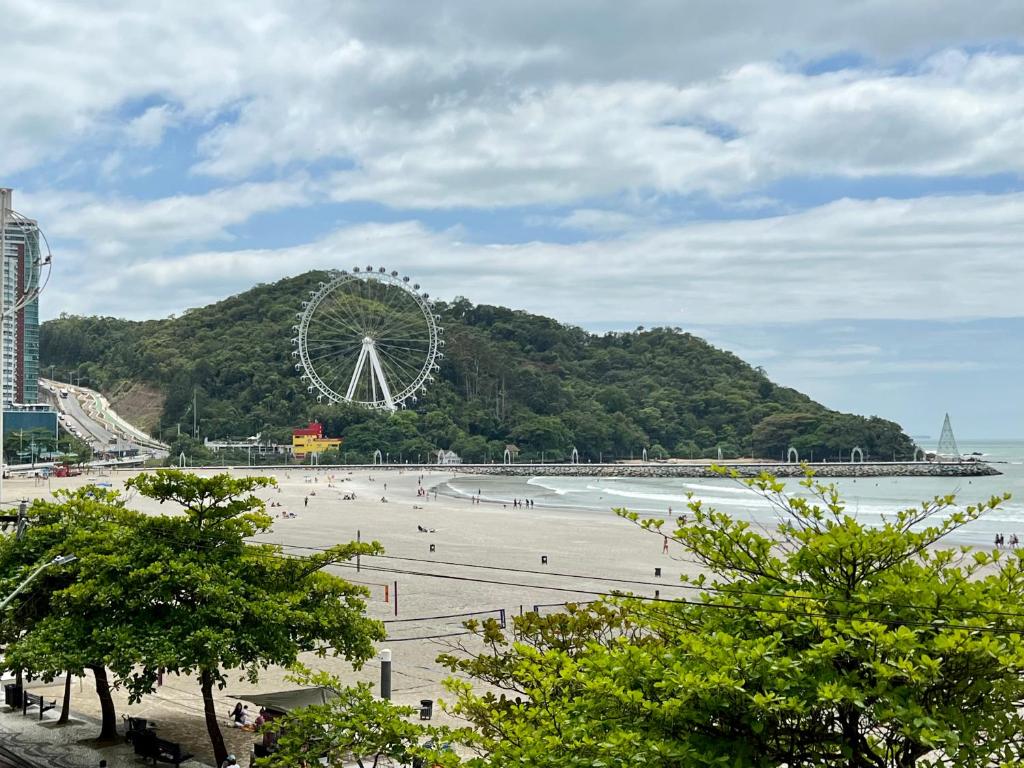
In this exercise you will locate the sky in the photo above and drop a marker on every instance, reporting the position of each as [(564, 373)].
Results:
[(831, 190)]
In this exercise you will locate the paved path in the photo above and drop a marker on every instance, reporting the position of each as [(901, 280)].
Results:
[(11, 760), (28, 743)]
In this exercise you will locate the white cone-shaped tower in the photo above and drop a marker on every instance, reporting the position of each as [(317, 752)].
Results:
[(947, 443)]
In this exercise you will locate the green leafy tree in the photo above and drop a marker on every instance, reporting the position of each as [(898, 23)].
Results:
[(24, 446), (826, 643), (182, 593), (542, 434), (353, 726), (50, 630), (207, 602)]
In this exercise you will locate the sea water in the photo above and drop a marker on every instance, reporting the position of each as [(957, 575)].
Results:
[(869, 499)]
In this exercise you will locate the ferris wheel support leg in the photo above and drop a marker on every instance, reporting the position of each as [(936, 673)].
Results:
[(357, 373), (385, 390)]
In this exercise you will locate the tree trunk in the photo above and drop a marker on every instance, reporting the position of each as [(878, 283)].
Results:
[(108, 728), (65, 708), (220, 752)]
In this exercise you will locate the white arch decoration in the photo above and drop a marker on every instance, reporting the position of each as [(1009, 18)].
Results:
[(508, 456), (181, 459), (645, 455), (719, 453), (857, 455), (440, 456), (575, 459), (792, 457), (378, 457)]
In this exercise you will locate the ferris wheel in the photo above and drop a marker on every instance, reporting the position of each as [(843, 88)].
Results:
[(369, 337)]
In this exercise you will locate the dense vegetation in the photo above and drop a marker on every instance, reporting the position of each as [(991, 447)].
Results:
[(508, 377)]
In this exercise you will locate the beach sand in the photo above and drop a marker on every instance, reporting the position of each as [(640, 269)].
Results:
[(473, 544)]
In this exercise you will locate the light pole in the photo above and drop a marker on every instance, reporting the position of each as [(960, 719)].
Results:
[(59, 560)]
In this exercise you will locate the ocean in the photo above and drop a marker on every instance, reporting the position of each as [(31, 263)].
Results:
[(867, 498)]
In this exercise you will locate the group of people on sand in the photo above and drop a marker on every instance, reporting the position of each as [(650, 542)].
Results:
[(284, 513), (240, 718), (1001, 540), (528, 503)]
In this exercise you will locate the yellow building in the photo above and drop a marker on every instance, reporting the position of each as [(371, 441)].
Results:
[(311, 439)]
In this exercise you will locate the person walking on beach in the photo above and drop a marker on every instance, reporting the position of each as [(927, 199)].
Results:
[(305, 502), (664, 546)]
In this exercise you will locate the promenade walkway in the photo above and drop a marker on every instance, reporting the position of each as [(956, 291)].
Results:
[(29, 743)]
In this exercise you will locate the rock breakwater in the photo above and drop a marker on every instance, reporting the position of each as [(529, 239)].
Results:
[(744, 469)]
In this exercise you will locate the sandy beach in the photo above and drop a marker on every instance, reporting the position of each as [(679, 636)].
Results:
[(466, 573)]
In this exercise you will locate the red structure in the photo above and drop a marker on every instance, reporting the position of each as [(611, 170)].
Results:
[(307, 440), (315, 429)]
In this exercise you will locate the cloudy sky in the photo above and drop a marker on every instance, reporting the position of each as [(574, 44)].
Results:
[(833, 190)]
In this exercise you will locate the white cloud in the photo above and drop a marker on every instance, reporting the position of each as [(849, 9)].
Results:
[(943, 257), (118, 225), (957, 115), (520, 103), (594, 220), (147, 129)]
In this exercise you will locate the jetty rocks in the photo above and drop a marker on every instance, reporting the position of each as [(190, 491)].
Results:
[(744, 469)]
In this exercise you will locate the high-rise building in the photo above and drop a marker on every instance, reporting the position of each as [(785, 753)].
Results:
[(19, 248)]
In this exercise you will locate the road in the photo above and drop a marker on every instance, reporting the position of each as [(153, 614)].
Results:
[(99, 426)]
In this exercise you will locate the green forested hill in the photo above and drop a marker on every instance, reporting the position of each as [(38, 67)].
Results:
[(507, 377)]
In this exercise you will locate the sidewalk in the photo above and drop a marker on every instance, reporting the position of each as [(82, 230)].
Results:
[(48, 745)]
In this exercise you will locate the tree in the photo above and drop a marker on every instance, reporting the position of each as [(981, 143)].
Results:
[(50, 631), (827, 643), (183, 593), (352, 725), (207, 601), (24, 445), (543, 433)]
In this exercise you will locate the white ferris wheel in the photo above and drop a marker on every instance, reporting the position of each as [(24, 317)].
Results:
[(368, 337)]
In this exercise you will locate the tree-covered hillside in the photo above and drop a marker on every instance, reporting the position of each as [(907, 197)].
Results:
[(507, 377)]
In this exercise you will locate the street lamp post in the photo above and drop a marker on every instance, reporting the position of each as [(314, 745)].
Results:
[(59, 560)]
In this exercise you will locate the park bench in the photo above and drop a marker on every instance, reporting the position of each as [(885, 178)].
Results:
[(32, 700), (136, 727), (149, 746)]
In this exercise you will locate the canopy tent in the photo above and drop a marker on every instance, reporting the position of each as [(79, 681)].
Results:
[(286, 701)]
